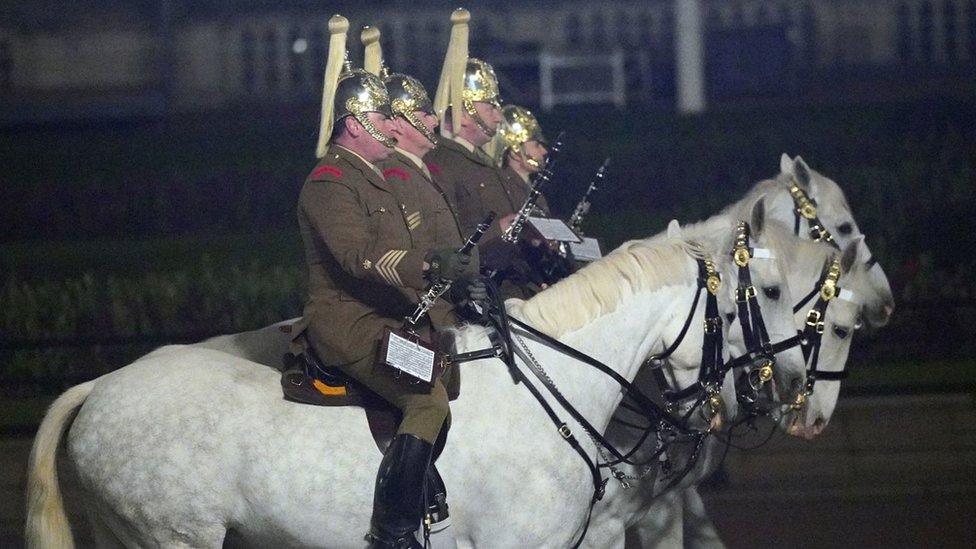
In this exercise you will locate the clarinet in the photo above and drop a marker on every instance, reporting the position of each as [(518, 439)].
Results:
[(438, 287), (583, 207), (511, 234)]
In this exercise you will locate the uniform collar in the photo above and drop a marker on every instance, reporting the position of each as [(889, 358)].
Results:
[(464, 143), (416, 161), (340, 149), (468, 149)]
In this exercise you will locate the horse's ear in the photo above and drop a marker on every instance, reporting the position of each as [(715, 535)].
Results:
[(758, 218), (802, 173), (786, 164), (849, 258), (674, 229)]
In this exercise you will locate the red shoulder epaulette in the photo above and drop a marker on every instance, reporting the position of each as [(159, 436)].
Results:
[(398, 173), (434, 168), (326, 170)]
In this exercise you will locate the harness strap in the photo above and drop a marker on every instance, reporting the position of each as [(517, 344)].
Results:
[(806, 299), (502, 324), (648, 406)]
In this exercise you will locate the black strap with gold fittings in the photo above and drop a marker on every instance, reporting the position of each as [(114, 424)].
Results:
[(813, 330), (760, 353), (805, 207), (712, 344)]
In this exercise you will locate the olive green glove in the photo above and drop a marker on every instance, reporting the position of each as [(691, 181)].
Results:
[(447, 264)]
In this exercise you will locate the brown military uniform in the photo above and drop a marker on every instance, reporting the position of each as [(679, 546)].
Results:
[(365, 274), (474, 184), (519, 188), (431, 220)]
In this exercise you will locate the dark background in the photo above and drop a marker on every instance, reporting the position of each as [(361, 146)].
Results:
[(126, 223)]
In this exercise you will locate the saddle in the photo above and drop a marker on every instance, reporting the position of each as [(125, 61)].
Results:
[(306, 379)]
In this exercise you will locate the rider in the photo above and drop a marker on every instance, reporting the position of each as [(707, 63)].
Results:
[(521, 150), (467, 104), (433, 221), (365, 275)]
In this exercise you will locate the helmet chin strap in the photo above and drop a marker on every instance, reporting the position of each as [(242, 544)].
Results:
[(412, 119), (529, 161), (473, 113), (372, 130)]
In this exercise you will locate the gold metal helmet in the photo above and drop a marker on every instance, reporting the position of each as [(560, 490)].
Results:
[(480, 83), (464, 81), (348, 91), (518, 127), (407, 94)]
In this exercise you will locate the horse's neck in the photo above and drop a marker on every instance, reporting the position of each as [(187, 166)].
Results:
[(622, 340)]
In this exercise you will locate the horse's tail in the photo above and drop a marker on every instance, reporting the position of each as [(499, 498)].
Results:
[(47, 525)]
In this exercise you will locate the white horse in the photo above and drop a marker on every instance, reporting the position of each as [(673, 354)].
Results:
[(834, 212), (658, 519), (803, 262), (674, 517), (190, 446)]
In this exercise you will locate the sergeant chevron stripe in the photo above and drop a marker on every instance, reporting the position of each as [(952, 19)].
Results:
[(413, 220), (386, 266)]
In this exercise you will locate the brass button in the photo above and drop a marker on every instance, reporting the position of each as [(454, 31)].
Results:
[(367, 264), (382, 209)]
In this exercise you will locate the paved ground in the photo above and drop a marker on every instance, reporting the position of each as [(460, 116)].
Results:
[(889, 471)]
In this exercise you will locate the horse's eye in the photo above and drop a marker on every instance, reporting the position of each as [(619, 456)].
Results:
[(859, 323), (845, 228), (772, 292), (841, 332)]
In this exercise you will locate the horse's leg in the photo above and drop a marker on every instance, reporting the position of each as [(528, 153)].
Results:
[(699, 532)]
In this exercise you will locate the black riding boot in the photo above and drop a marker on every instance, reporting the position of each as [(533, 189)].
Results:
[(398, 498)]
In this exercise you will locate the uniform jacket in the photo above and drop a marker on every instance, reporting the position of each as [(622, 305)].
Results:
[(365, 268), (474, 184), (430, 219)]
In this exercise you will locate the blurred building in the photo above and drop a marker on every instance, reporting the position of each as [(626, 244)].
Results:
[(113, 58)]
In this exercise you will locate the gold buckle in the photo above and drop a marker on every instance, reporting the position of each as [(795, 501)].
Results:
[(829, 290), (713, 283), (766, 371), (745, 294)]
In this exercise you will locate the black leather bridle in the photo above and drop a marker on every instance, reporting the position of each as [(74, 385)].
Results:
[(826, 290), (805, 207)]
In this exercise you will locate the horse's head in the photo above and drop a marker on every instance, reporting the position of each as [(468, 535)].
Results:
[(830, 207), (840, 319), (758, 305)]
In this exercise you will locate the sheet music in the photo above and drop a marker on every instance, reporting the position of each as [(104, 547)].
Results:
[(553, 229), (588, 250)]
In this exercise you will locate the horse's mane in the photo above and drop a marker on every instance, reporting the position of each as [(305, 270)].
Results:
[(600, 287)]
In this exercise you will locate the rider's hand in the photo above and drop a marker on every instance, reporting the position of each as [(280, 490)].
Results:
[(447, 264)]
